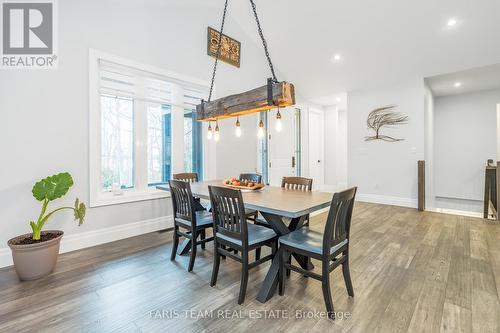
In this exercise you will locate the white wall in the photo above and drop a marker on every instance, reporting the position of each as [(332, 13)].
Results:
[(44, 126), (237, 155), (465, 138), (386, 172)]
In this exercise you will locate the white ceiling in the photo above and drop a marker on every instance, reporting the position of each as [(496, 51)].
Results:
[(381, 41), (477, 79)]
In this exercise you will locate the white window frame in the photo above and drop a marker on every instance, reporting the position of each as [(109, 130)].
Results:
[(140, 191)]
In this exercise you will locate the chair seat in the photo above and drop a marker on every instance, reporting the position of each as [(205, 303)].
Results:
[(203, 220), (308, 240), (256, 234)]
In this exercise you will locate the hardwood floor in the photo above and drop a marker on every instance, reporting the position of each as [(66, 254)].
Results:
[(411, 271)]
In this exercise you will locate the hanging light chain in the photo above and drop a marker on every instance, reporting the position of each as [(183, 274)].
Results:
[(264, 42), (219, 46)]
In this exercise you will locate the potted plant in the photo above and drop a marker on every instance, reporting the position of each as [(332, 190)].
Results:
[(35, 254)]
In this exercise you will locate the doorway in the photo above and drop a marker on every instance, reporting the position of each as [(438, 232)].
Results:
[(283, 154)]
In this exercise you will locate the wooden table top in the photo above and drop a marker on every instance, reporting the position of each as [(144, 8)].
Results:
[(274, 200)]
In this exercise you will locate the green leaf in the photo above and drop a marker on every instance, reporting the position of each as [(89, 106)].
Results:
[(80, 210), (52, 187)]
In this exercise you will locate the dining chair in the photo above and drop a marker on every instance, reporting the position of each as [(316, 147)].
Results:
[(190, 177), (251, 177), (297, 183), (251, 214), (330, 247), (187, 218), (292, 183), (232, 231)]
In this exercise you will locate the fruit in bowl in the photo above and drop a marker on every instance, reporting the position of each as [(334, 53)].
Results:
[(240, 183), (232, 181)]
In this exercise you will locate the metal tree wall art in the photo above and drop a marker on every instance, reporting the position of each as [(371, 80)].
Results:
[(384, 117)]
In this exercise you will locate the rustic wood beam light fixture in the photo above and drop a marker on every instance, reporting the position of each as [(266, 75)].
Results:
[(274, 94)]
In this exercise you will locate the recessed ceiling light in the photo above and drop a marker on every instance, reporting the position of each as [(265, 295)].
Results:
[(338, 99), (452, 22), (457, 84), (336, 57)]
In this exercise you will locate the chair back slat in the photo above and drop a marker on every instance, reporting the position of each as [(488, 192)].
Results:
[(190, 177), (297, 183), (229, 213), (251, 177), (338, 223), (182, 201)]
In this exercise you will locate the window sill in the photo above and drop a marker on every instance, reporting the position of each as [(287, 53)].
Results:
[(108, 198)]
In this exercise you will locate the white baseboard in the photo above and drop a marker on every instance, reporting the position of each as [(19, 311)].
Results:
[(455, 212), (387, 200), (5, 257), (95, 237)]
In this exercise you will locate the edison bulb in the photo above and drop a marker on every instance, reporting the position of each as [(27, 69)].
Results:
[(216, 136), (237, 131), (260, 132), (209, 134), (279, 125)]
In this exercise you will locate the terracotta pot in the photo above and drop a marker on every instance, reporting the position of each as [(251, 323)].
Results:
[(33, 261)]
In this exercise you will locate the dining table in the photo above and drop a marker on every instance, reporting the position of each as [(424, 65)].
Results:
[(285, 210)]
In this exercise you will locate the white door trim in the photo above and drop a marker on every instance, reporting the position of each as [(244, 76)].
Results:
[(319, 183)]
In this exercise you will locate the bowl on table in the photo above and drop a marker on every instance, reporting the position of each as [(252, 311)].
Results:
[(243, 185)]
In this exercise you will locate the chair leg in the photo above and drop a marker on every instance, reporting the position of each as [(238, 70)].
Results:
[(281, 275), (257, 253), (223, 247), (175, 245), (327, 293), (202, 237), (215, 269), (192, 258), (244, 276), (289, 261), (347, 274)]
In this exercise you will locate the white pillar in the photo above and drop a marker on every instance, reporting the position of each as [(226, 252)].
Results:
[(141, 146), (177, 129)]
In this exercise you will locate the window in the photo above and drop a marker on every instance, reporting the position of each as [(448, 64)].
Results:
[(142, 129), (117, 142), (159, 144), (193, 155)]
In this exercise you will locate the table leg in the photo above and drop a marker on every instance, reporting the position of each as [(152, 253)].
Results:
[(197, 205), (270, 283), (276, 222)]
